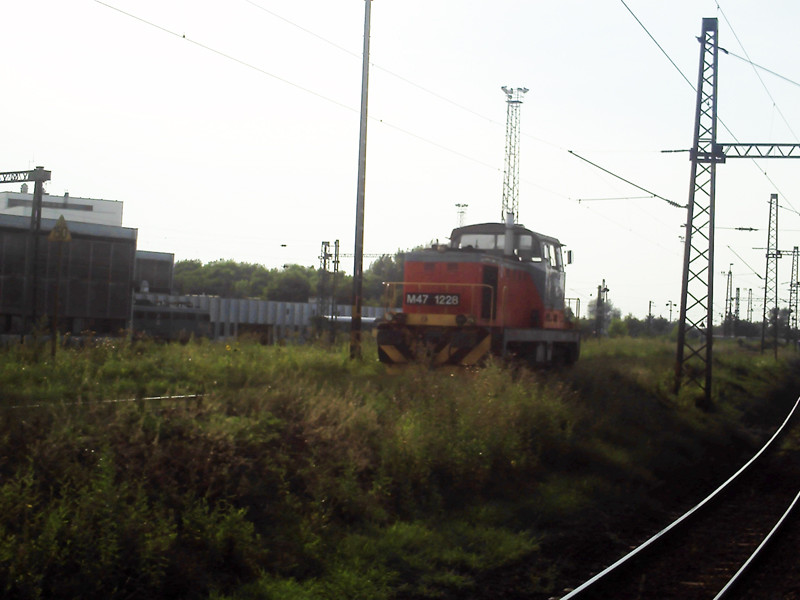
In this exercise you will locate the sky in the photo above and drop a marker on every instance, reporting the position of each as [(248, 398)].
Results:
[(230, 129)]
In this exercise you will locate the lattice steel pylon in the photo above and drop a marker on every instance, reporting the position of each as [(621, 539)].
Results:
[(770, 314), (794, 283), (511, 169), (728, 322), (696, 316)]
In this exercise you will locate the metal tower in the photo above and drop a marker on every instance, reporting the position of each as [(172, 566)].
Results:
[(696, 316), (770, 313), (728, 322), (511, 172), (326, 284), (794, 283), (322, 281)]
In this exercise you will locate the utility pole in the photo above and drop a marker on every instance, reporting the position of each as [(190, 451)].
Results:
[(736, 314), (511, 172), (334, 312), (600, 308), (750, 305), (670, 304), (39, 175), (696, 317), (323, 299), (358, 261), (326, 287), (649, 316)]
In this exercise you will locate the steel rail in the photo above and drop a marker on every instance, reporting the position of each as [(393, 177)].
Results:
[(754, 556), (626, 559)]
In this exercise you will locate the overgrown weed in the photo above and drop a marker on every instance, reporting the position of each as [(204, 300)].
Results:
[(303, 474)]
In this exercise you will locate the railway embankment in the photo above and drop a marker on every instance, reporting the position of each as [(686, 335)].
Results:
[(292, 472)]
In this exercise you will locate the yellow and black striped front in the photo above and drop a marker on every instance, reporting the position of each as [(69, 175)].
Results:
[(433, 344)]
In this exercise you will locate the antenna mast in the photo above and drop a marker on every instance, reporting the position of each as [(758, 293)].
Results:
[(511, 172)]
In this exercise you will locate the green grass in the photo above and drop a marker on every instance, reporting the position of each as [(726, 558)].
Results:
[(303, 474)]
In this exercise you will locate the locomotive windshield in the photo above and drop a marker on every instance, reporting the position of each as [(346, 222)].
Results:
[(528, 250), (482, 241)]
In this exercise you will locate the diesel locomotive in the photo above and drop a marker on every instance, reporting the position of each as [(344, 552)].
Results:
[(496, 288)]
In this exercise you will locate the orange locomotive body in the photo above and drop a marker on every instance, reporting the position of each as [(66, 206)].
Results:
[(496, 288)]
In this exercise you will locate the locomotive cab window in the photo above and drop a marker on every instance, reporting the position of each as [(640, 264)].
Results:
[(526, 249), (552, 255), (480, 241)]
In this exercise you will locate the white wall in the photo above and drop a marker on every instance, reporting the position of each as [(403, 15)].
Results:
[(104, 212)]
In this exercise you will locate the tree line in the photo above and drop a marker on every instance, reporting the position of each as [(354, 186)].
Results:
[(611, 323), (292, 283)]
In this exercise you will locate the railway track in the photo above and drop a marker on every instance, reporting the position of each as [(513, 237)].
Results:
[(740, 542)]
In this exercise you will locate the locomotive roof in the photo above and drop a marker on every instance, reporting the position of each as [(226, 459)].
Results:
[(497, 228)]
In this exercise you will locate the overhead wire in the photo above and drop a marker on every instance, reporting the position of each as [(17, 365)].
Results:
[(694, 88), (769, 94), (635, 232), (406, 80), (394, 74), (615, 198), (342, 105), (225, 55), (724, 125), (652, 194), (745, 263), (372, 64), (755, 70), (416, 85), (664, 52), (296, 86), (757, 66)]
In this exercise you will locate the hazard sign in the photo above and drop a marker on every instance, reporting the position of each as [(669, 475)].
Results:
[(60, 232)]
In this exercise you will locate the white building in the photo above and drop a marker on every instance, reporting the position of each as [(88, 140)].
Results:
[(81, 210)]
